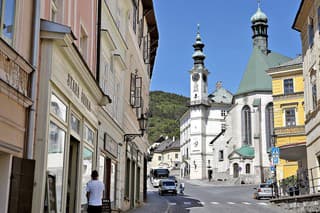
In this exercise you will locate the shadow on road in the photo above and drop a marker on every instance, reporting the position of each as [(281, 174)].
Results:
[(182, 203)]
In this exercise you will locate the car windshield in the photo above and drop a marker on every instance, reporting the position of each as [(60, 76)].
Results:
[(169, 183), (265, 186)]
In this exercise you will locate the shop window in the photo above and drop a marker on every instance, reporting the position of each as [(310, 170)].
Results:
[(290, 117), (75, 124), (86, 172), (288, 86), (247, 168), (220, 155), (55, 161), (88, 134), (58, 108), (7, 19), (101, 168)]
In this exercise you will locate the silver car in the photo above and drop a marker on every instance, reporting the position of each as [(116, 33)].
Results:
[(264, 190), (167, 186)]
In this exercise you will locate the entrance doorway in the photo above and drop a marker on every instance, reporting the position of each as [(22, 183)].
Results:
[(72, 175), (235, 170)]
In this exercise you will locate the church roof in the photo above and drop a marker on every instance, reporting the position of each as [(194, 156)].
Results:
[(221, 95), (244, 152), (255, 77)]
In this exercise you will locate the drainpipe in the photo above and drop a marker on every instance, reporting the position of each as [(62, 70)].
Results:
[(98, 40), (34, 79)]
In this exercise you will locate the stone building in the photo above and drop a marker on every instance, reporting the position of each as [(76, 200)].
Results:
[(18, 74), (96, 64), (307, 23)]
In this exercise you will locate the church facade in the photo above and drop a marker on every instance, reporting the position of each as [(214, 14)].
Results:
[(235, 144)]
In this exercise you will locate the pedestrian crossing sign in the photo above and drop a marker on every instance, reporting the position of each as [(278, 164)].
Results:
[(275, 151)]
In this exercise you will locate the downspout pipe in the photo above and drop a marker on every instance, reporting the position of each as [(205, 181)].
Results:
[(98, 41), (34, 80)]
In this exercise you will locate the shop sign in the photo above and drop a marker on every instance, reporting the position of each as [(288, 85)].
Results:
[(78, 92)]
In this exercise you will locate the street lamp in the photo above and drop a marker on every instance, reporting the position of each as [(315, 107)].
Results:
[(142, 126)]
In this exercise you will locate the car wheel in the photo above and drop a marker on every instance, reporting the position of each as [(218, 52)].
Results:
[(258, 198)]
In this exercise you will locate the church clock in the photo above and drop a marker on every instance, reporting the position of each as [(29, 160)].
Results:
[(195, 77)]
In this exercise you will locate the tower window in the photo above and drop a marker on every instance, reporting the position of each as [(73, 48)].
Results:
[(220, 155), (246, 125)]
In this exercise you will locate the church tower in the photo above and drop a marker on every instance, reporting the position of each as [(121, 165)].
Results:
[(199, 106), (259, 27)]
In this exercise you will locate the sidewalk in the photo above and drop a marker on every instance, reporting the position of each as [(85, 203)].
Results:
[(211, 183)]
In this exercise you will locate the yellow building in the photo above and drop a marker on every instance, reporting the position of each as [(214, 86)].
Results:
[(288, 111)]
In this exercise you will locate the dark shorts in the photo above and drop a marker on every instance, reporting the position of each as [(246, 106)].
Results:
[(94, 209)]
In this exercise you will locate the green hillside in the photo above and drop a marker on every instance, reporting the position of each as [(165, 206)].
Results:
[(166, 109)]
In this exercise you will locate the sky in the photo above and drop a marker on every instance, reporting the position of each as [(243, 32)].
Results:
[(225, 29)]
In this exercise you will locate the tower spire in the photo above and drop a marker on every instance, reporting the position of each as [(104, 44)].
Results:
[(260, 29), (198, 55)]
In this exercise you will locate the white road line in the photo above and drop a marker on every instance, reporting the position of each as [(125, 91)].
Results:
[(214, 203), (172, 204), (201, 203), (246, 203), (263, 204), (187, 203), (231, 203)]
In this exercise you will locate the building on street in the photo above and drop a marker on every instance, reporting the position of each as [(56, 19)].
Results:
[(288, 110), (307, 23)]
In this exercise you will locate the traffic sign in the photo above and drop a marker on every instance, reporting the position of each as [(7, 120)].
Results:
[(275, 160), (272, 168), (275, 151)]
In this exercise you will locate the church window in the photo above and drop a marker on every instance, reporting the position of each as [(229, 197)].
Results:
[(290, 116), (223, 113), (247, 168), (269, 125), (288, 86), (246, 125), (220, 155)]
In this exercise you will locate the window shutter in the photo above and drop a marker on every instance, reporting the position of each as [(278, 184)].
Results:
[(132, 89), (140, 35), (138, 91), (146, 49)]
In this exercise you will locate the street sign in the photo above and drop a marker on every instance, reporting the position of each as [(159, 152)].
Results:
[(275, 160), (272, 168), (275, 151)]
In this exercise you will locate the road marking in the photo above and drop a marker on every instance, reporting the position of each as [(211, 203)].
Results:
[(263, 204), (231, 203), (172, 204), (201, 203), (246, 203), (187, 203), (214, 203)]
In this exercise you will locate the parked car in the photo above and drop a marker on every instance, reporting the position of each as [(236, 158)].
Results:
[(264, 190), (167, 186)]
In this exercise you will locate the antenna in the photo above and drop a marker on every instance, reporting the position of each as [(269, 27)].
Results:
[(198, 27)]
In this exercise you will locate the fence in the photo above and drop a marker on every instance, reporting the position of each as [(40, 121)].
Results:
[(300, 184)]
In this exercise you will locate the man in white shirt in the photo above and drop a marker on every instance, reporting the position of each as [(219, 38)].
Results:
[(94, 190)]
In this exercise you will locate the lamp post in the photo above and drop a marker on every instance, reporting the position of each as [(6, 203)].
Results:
[(275, 183)]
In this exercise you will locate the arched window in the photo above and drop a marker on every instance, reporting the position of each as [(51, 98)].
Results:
[(248, 168), (269, 125), (246, 125)]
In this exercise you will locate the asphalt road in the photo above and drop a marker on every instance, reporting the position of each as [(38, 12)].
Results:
[(207, 198)]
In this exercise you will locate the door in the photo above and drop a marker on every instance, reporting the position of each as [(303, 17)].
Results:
[(72, 175), (235, 170), (21, 186), (133, 171)]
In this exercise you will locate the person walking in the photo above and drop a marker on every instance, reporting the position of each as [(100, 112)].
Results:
[(94, 190), (181, 188)]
